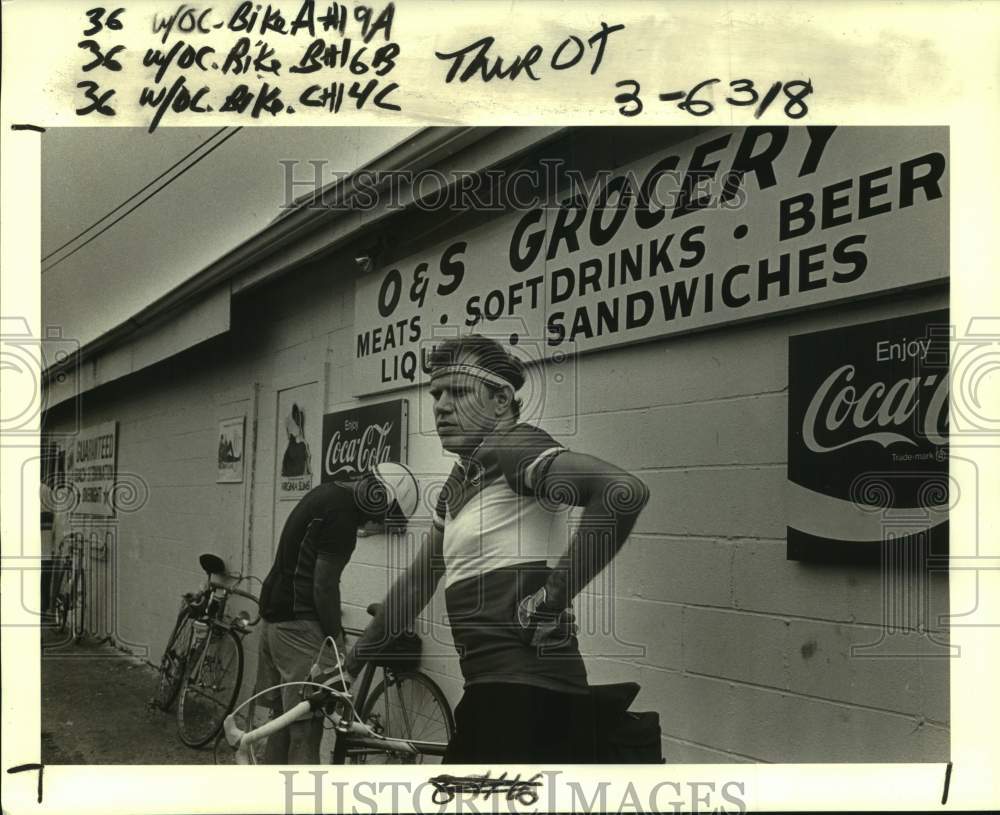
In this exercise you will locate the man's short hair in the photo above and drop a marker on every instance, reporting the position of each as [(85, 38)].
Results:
[(487, 354)]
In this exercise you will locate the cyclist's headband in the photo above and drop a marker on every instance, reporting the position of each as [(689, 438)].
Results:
[(476, 371)]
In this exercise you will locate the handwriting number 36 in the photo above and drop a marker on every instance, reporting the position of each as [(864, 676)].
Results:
[(97, 102), (101, 59), (111, 21)]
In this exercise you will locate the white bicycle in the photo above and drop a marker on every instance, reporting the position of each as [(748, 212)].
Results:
[(404, 719)]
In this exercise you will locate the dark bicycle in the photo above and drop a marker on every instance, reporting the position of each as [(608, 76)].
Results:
[(69, 589), (202, 665)]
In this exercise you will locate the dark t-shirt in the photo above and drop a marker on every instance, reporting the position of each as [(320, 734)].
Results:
[(323, 522)]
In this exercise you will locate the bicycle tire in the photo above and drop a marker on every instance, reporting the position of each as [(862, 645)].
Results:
[(78, 608), (212, 681), (421, 712), (173, 662), (61, 600)]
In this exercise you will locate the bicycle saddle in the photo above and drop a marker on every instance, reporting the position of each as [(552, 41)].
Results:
[(373, 609), (213, 564)]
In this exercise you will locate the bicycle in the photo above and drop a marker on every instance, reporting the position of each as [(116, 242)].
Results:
[(405, 719), (202, 665), (69, 590)]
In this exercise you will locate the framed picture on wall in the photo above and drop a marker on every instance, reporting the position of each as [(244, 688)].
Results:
[(297, 437), (230, 460)]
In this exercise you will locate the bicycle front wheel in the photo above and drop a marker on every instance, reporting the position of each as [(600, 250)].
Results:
[(405, 706), (173, 663), (211, 684)]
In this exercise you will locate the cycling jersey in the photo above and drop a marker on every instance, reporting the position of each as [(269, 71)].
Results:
[(496, 538)]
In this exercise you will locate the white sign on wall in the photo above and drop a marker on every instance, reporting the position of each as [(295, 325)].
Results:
[(299, 425), (91, 468), (728, 225), (299, 421)]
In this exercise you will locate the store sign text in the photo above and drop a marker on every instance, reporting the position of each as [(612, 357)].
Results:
[(741, 224)]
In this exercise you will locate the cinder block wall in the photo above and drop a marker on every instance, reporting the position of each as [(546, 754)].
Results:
[(746, 656)]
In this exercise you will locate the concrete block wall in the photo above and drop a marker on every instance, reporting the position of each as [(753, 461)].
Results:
[(167, 441), (168, 419), (746, 656)]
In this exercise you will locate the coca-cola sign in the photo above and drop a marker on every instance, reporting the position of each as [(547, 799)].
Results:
[(356, 440), (867, 436)]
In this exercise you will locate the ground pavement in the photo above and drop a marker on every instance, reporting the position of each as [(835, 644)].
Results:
[(94, 709)]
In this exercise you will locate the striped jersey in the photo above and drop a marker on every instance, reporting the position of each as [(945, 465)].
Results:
[(496, 540)]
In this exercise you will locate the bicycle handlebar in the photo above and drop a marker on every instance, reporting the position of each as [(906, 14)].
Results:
[(249, 596), (215, 584), (241, 740), (246, 594)]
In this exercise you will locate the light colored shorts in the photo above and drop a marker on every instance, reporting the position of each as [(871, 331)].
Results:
[(286, 654)]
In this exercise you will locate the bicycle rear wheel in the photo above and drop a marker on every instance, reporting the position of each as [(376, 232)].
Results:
[(211, 684), (173, 663), (405, 706), (61, 597)]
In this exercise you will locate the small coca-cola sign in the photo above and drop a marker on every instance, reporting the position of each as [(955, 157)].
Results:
[(356, 440), (868, 437)]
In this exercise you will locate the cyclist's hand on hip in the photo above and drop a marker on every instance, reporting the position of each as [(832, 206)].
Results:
[(541, 622)]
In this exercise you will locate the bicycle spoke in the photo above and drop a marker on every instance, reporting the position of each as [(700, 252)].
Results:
[(201, 694), (408, 708), (404, 718), (210, 688)]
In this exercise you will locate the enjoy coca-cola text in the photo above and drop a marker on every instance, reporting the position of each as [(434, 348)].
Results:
[(358, 453), (837, 406)]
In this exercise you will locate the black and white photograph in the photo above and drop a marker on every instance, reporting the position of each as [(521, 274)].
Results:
[(670, 389), (594, 466)]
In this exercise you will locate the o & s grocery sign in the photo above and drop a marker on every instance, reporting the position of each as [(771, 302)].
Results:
[(724, 226)]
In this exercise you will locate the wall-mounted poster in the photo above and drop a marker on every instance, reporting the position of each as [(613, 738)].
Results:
[(298, 423), (357, 439), (230, 466), (868, 440), (91, 467)]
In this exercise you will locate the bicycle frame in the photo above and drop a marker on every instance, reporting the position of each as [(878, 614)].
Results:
[(352, 733), (360, 737), (184, 658), (68, 582), (214, 617), (359, 734)]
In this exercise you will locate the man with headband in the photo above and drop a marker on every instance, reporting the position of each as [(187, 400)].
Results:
[(525, 695)]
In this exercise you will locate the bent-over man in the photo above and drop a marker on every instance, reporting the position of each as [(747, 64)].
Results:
[(300, 598)]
